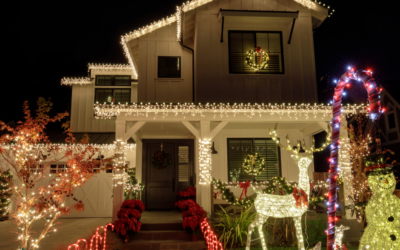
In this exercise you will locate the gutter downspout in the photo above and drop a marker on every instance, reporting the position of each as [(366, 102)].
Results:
[(186, 47)]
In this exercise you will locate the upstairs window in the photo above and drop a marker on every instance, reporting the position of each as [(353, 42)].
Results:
[(112, 95), (169, 67), (238, 149), (391, 120), (241, 42), (102, 80)]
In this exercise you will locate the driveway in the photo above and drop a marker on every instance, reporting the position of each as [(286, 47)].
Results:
[(68, 231)]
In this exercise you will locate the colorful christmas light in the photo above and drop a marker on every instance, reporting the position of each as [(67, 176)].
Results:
[(374, 111)]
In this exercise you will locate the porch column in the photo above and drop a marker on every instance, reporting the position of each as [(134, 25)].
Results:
[(345, 166), (205, 189), (118, 191)]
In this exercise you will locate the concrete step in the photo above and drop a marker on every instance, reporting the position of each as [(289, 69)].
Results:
[(165, 245), (162, 227), (163, 235)]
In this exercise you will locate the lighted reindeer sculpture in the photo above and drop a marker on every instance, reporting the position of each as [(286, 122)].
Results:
[(290, 205)]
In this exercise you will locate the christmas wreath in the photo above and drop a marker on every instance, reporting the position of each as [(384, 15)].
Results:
[(160, 160), (249, 165), (264, 58)]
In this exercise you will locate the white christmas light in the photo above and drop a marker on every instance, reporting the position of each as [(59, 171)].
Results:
[(205, 161), (80, 81), (109, 67), (282, 206), (107, 111)]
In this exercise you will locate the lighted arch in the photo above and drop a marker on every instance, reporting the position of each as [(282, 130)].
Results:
[(374, 111)]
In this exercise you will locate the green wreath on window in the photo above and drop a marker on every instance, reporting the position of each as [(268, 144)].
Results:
[(264, 58), (160, 160), (249, 165)]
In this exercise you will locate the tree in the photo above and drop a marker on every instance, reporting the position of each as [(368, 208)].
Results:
[(28, 153)]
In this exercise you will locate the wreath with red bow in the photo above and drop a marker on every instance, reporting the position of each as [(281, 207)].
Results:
[(264, 58), (160, 160)]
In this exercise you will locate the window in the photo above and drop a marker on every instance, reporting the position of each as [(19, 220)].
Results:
[(238, 149), (58, 168), (391, 121), (113, 80), (183, 163), (169, 67), (113, 95), (241, 42)]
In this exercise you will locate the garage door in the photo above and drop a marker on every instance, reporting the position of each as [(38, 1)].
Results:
[(96, 195)]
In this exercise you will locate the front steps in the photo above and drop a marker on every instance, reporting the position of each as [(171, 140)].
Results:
[(164, 237)]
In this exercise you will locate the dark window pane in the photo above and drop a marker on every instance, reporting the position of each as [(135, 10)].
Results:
[(103, 95), (122, 80), (238, 149), (241, 42), (169, 66), (391, 121), (104, 80), (122, 95)]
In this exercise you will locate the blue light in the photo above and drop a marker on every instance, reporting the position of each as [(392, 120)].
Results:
[(330, 102), (349, 67), (344, 93), (334, 81)]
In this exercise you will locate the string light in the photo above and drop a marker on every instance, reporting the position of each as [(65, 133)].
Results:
[(210, 237), (205, 161), (107, 111), (374, 111), (109, 67), (77, 81), (283, 206)]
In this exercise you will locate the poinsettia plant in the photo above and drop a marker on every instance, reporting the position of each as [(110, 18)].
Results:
[(129, 217), (186, 197), (192, 218)]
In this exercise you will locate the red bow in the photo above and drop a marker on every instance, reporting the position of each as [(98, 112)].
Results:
[(244, 185), (301, 197), (258, 50)]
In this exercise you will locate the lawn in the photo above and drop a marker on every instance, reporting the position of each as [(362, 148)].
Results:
[(287, 248)]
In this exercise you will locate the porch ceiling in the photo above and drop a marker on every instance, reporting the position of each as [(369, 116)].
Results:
[(173, 129)]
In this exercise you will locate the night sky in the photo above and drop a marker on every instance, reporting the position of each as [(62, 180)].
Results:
[(53, 39)]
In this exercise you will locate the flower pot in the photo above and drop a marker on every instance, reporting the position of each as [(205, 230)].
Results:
[(126, 239), (194, 237)]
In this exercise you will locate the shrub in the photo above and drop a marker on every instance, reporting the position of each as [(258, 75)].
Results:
[(129, 216), (192, 217)]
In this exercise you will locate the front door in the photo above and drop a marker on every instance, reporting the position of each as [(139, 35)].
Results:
[(162, 184)]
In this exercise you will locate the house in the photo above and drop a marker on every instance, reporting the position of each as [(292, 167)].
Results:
[(389, 124), (216, 73)]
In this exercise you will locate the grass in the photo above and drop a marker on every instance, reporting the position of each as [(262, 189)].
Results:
[(285, 248)]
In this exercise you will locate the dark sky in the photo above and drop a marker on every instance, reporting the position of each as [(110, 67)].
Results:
[(53, 39)]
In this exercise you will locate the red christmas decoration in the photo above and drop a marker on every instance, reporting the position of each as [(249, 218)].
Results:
[(374, 111), (210, 237), (129, 216), (245, 186)]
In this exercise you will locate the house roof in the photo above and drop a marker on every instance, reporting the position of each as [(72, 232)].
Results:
[(176, 17)]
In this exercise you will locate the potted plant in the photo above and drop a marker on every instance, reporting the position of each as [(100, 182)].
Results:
[(129, 218), (186, 198), (192, 219)]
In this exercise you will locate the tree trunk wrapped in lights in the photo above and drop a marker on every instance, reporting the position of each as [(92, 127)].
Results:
[(374, 111)]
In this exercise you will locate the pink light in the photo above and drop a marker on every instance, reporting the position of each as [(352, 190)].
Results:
[(210, 237)]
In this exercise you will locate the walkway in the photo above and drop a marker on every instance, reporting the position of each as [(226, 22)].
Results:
[(68, 232)]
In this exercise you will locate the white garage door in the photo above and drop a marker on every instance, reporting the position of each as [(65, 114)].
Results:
[(96, 195)]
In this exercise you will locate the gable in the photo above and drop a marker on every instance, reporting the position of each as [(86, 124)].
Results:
[(319, 13)]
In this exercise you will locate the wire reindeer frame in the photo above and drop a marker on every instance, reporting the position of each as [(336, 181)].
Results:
[(290, 205)]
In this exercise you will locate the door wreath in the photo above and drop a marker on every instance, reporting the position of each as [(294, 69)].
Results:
[(160, 160)]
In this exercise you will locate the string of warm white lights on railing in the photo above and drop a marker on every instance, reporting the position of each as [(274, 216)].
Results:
[(189, 5), (106, 111), (76, 80)]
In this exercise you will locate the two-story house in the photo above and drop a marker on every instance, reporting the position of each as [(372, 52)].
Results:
[(216, 73)]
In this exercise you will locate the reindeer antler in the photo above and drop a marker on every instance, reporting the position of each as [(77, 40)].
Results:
[(289, 147), (313, 149)]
